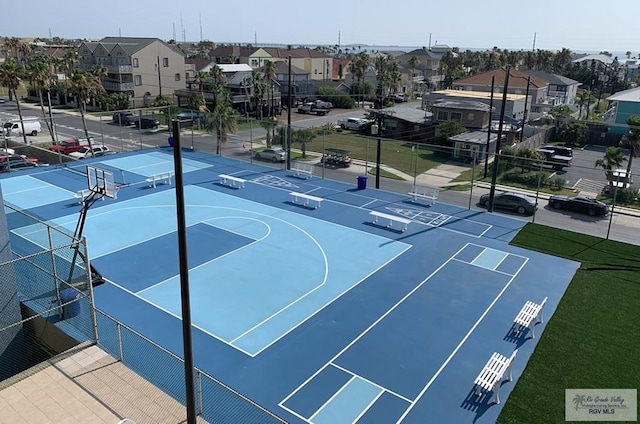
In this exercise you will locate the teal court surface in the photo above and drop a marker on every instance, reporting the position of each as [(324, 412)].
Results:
[(316, 313)]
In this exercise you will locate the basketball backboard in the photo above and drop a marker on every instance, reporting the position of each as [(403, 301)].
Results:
[(101, 181)]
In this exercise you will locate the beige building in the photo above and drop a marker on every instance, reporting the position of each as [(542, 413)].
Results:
[(143, 68)]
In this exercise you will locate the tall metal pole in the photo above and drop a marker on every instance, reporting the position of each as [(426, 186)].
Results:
[(486, 150), (159, 78), (289, 91), (184, 277), (526, 101), (379, 147), (494, 173)]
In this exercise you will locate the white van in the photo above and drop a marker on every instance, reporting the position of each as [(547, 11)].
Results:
[(14, 127)]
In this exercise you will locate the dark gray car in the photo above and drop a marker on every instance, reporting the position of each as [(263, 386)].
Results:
[(517, 202)]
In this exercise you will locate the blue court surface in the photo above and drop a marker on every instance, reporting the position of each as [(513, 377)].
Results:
[(317, 314)]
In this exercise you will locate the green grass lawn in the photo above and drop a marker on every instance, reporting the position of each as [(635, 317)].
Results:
[(593, 340)]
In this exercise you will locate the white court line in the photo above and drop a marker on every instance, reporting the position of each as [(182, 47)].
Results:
[(370, 327), (344, 386), (464, 339), (370, 382), (373, 401)]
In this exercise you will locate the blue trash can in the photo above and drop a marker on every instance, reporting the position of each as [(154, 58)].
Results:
[(72, 309), (362, 182), (170, 141)]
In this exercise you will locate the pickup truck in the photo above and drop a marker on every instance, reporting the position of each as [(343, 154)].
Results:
[(554, 159), (312, 108), (70, 146)]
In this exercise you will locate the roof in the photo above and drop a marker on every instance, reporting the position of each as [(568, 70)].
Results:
[(553, 78), (517, 79), (408, 114), (486, 95), (474, 137), (461, 104), (631, 95), (234, 67), (282, 67), (607, 60)]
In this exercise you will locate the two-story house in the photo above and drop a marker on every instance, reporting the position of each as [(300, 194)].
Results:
[(142, 68), (624, 104), (427, 71)]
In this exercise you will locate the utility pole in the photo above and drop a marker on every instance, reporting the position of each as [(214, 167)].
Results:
[(488, 147), (159, 77), (524, 117), (494, 173)]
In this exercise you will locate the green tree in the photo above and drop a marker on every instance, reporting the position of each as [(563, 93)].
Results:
[(303, 136), (448, 129), (413, 64), (11, 74), (38, 73), (573, 134), (223, 120), (84, 86), (632, 140), (269, 73), (270, 126), (613, 159)]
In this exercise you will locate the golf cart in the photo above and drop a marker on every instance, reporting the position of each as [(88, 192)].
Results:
[(337, 158)]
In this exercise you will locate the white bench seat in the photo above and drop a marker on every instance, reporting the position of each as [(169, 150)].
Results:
[(231, 181), (302, 170), (306, 199), (390, 220), (160, 177), (494, 372), (423, 194), (529, 315)]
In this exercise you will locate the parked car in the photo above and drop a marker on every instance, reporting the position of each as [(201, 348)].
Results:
[(352, 123), (7, 151), (14, 127), (124, 118), (70, 146), (16, 163), (191, 115), (579, 203), (86, 152), (146, 123), (520, 203), (274, 155)]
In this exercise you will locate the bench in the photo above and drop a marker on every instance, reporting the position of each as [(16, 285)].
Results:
[(391, 218), (231, 181), (83, 194), (425, 194), (529, 315), (493, 373), (306, 199), (302, 170), (162, 176)]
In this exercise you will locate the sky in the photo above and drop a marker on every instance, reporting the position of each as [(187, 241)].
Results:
[(579, 25)]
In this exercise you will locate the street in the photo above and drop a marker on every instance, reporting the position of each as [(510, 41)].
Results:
[(582, 174)]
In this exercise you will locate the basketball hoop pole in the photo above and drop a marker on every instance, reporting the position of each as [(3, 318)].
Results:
[(184, 277)]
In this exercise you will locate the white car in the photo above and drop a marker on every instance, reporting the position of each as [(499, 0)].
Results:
[(352, 123), (86, 152), (274, 155)]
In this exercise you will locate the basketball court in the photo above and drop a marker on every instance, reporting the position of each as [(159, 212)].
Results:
[(317, 314)]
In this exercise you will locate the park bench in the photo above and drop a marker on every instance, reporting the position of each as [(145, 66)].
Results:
[(425, 194), (231, 181), (391, 219), (306, 199), (162, 176), (493, 373), (302, 170), (529, 315)]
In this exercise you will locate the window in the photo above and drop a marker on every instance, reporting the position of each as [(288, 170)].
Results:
[(135, 62), (165, 62), (137, 80), (442, 115), (471, 116), (254, 63), (456, 116), (177, 77)]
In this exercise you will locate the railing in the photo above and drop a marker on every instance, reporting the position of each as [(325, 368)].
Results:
[(215, 402), (120, 69), (118, 86)]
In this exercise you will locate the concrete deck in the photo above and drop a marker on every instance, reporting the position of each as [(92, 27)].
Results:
[(85, 385)]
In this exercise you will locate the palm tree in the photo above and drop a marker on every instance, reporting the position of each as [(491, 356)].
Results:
[(613, 159), (13, 44), (11, 74), (413, 64), (217, 79), (39, 73), (84, 86), (269, 72), (304, 136), (269, 125), (583, 98), (259, 88), (633, 140), (223, 120)]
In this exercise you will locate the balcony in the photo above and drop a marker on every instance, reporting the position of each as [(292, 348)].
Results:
[(120, 69), (117, 86)]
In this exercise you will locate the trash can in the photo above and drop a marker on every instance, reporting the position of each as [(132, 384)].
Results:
[(70, 310), (362, 182), (170, 141)]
